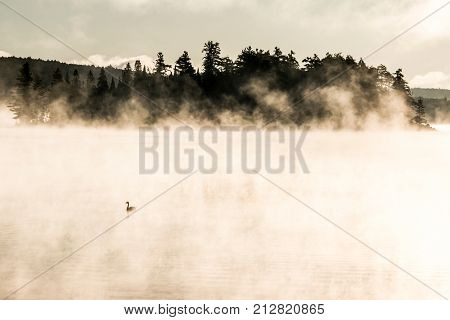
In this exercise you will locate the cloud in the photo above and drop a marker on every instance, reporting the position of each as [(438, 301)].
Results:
[(5, 54), (77, 25), (116, 61), (434, 79), (142, 6), (193, 5)]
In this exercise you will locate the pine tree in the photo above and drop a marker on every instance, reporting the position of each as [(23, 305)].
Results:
[(292, 60), (24, 82), (124, 85), (138, 74), (384, 78), (211, 60), (137, 66), (127, 75), (66, 77), (102, 82), (400, 84), (144, 73), (183, 65), (75, 91), (21, 107), (227, 65), (420, 112), (161, 68), (76, 79), (40, 101), (362, 65), (90, 81), (112, 86), (277, 53), (57, 77), (312, 63)]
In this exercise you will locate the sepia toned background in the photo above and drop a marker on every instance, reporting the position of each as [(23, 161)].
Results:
[(222, 236)]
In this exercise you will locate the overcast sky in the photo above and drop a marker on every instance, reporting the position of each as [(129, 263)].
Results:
[(114, 31)]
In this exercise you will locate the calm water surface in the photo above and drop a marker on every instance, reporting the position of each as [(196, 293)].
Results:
[(224, 236)]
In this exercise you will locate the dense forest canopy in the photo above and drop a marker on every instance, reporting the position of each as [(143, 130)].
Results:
[(263, 85)]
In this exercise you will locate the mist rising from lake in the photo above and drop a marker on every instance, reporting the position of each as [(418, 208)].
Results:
[(443, 127), (223, 236)]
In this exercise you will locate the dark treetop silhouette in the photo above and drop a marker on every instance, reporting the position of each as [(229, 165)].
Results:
[(39, 94)]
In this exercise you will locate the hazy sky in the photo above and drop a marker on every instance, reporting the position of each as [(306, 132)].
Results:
[(113, 31)]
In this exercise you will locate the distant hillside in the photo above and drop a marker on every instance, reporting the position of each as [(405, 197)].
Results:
[(431, 93), (9, 68), (436, 101)]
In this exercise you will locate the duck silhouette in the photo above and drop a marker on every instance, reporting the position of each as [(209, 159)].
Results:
[(129, 209)]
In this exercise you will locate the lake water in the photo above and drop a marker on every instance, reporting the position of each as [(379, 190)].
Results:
[(443, 127), (224, 236)]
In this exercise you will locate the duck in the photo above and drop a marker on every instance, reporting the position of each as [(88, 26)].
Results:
[(129, 209)]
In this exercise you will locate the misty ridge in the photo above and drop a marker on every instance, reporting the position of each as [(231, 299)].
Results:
[(258, 87)]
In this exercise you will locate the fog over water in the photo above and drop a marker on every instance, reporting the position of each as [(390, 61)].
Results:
[(224, 236)]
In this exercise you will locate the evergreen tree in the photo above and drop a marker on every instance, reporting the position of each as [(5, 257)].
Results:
[(211, 60), (161, 68), (362, 65), (227, 65), (75, 92), (124, 85), (384, 78), (21, 107), (145, 73), (183, 65), (24, 82), (349, 61), (90, 81), (76, 79), (112, 86), (139, 75), (127, 75), (66, 77), (102, 83), (251, 61), (420, 113), (281, 61), (277, 53), (137, 66), (400, 84), (39, 104), (57, 77), (312, 63), (37, 82), (292, 60)]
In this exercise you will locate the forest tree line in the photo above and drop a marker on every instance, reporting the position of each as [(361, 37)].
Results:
[(222, 85)]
